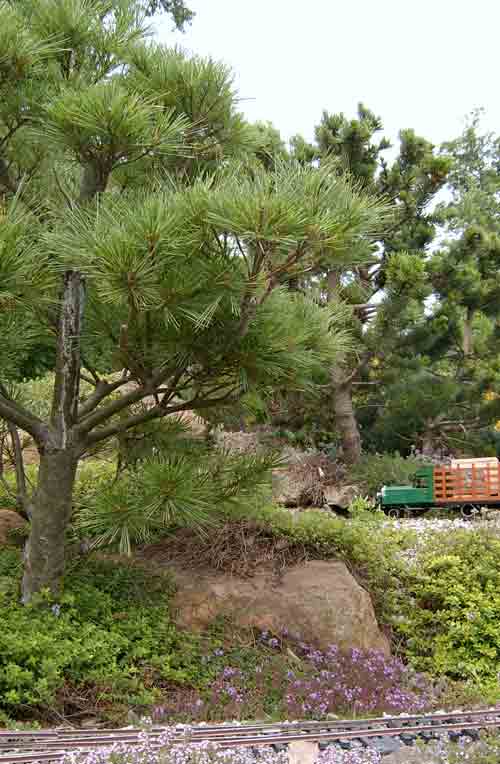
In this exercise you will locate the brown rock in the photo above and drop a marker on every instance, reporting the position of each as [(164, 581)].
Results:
[(340, 496), (287, 489), (9, 521), (319, 602)]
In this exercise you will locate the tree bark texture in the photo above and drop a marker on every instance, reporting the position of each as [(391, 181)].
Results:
[(50, 514), (346, 422), (51, 505), (468, 342), (345, 417)]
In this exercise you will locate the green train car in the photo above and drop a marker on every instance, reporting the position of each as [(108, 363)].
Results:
[(465, 485)]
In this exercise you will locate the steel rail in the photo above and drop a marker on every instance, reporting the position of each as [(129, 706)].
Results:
[(205, 730), (274, 736)]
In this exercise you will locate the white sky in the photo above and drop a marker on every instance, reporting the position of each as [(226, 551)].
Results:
[(416, 64)]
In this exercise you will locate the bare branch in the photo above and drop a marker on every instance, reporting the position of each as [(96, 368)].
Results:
[(348, 379), (98, 417), (5, 179), (18, 458), (19, 416), (12, 132), (102, 390), (156, 412), (3, 481), (87, 379)]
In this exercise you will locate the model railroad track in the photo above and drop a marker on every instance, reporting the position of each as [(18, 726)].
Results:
[(51, 745)]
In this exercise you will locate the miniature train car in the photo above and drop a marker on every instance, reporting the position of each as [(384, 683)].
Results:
[(465, 485)]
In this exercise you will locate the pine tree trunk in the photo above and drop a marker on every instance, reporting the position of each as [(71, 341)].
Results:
[(428, 443), (50, 514), (345, 419), (51, 506), (468, 342)]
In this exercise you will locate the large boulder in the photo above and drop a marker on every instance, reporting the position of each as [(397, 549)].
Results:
[(9, 521), (318, 602)]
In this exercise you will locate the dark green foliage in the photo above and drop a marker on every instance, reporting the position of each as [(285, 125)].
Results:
[(388, 285), (375, 470), (179, 11), (440, 387)]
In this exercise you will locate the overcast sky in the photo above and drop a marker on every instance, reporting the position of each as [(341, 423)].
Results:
[(416, 64)]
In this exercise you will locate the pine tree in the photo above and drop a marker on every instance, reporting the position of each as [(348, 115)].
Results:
[(142, 238), (389, 282), (440, 389)]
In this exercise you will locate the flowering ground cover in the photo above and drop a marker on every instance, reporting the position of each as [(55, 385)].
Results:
[(166, 751), (297, 681)]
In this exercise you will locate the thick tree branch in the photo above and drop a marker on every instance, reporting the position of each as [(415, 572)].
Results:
[(366, 356), (94, 181), (21, 417), (67, 377), (156, 412), (96, 418), (5, 179)]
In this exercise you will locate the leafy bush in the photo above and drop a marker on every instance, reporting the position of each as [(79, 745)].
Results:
[(363, 504), (452, 607), (375, 470), (93, 477), (111, 630)]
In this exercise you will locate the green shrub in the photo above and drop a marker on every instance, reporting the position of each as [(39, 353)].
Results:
[(375, 470), (111, 630), (364, 507), (452, 607)]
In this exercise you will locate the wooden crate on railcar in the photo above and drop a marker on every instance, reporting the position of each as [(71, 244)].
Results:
[(471, 481)]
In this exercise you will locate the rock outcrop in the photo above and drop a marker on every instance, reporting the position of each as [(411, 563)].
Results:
[(318, 602)]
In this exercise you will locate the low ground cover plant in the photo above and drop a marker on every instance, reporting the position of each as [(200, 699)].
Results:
[(109, 645), (451, 619), (168, 750), (313, 684)]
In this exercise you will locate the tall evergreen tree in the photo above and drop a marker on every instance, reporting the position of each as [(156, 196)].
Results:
[(389, 282), (448, 369), (133, 222)]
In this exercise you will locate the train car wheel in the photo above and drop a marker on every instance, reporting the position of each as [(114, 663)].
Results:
[(468, 510), (394, 512)]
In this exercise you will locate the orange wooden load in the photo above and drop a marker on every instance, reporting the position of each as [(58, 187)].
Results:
[(471, 481)]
